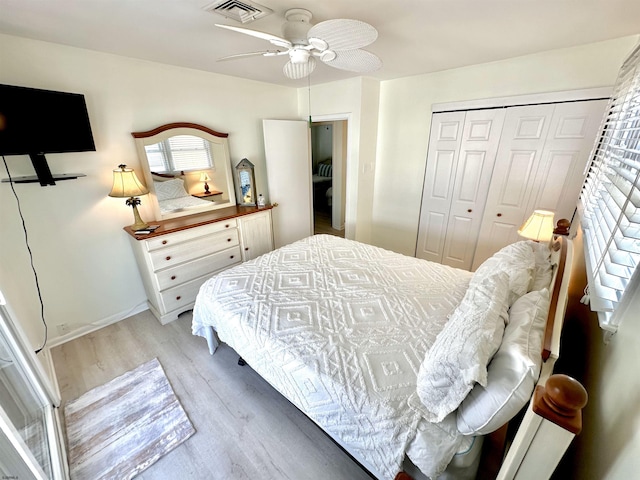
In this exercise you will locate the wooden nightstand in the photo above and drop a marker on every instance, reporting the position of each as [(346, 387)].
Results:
[(207, 196)]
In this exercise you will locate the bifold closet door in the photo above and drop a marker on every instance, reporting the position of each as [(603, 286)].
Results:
[(460, 159), (540, 163)]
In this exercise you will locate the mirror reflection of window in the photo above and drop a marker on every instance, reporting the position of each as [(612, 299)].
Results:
[(180, 153)]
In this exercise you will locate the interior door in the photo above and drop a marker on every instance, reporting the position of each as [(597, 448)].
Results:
[(442, 158), (523, 138), (566, 153), (288, 155), (480, 140)]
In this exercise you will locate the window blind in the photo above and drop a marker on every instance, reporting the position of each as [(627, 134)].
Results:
[(609, 203)]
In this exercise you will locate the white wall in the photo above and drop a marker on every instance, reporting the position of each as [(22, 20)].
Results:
[(405, 119), (608, 446), (85, 265), (357, 101)]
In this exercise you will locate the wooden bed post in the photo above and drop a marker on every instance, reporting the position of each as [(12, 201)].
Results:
[(548, 428)]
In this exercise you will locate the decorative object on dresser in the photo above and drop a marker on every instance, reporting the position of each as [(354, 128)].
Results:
[(126, 185), (177, 257), (246, 182), (174, 157)]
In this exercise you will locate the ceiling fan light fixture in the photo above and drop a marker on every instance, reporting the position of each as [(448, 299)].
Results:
[(296, 71), (299, 55)]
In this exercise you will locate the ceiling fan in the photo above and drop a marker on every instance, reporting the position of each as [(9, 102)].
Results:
[(336, 43)]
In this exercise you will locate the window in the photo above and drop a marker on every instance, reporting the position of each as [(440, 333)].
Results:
[(609, 204), (179, 153)]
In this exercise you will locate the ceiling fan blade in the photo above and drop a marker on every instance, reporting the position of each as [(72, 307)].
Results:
[(277, 41), (295, 71), (359, 61), (268, 53), (343, 34)]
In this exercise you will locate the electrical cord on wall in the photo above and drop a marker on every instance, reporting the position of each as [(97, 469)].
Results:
[(33, 268)]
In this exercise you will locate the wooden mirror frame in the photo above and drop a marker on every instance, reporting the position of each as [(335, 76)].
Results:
[(221, 175)]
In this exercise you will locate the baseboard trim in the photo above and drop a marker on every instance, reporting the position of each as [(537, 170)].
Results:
[(92, 327)]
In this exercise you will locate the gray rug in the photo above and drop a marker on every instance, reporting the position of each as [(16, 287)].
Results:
[(117, 430)]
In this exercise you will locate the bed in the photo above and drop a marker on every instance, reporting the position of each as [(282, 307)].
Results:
[(405, 363)]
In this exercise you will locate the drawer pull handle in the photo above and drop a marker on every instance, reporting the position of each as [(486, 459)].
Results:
[(168, 257), (232, 256), (246, 249), (228, 239), (173, 277), (164, 242), (499, 215), (226, 226), (178, 297), (469, 211)]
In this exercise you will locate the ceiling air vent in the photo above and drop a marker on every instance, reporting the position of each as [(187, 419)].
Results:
[(243, 12)]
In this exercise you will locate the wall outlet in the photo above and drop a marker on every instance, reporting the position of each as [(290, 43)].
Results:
[(63, 329)]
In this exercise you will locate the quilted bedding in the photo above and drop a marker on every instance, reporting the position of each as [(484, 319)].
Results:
[(340, 328)]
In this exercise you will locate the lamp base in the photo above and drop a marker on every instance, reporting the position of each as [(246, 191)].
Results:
[(139, 223)]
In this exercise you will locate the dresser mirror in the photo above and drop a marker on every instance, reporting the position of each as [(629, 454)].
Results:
[(187, 169)]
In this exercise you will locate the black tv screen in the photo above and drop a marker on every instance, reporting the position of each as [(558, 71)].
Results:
[(35, 122)]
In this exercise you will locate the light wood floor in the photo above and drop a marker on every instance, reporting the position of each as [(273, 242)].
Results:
[(244, 428), (322, 223)]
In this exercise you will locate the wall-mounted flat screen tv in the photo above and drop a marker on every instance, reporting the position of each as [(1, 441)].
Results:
[(36, 122)]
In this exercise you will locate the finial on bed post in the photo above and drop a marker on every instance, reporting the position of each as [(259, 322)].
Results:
[(562, 227), (561, 401)]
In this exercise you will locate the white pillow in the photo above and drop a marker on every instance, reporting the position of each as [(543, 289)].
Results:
[(517, 260), (170, 189), (459, 356), (513, 372), (543, 270)]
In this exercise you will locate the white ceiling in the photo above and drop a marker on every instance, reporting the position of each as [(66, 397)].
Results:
[(415, 36)]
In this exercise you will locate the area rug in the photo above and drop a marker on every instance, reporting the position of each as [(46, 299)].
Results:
[(117, 430)]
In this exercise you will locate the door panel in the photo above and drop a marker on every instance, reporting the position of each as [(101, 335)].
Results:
[(478, 148), (566, 153), (444, 146), (288, 157), (521, 145)]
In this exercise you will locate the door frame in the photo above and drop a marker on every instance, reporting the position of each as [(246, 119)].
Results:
[(350, 173), (527, 99)]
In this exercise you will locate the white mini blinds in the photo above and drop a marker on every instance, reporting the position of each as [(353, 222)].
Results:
[(179, 153), (610, 201)]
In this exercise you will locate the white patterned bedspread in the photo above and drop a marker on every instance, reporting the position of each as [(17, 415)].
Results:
[(340, 329)]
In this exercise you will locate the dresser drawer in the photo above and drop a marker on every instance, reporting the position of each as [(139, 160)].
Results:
[(182, 295), (196, 248), (189, 234), (174, 276)]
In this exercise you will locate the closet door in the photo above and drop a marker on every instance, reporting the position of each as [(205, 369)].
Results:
[(459, 167), (540, 165), (480, 139), (567, 151), (442, 158), (523, 137)]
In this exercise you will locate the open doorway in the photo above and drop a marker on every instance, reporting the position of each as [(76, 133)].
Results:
[(328, 157)]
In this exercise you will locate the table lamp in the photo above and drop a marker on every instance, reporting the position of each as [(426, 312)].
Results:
[(126, 185), (205, 178), (538, 227)]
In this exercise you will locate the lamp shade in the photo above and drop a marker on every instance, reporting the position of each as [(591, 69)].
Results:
[(538, 227), (204, 177), (126, 183)]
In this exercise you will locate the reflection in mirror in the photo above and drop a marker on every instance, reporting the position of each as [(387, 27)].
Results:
[(187, 169)]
